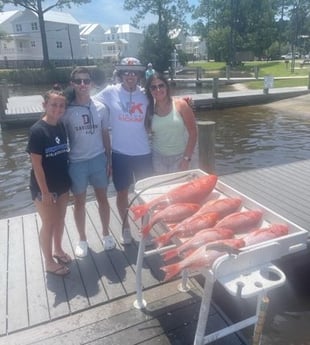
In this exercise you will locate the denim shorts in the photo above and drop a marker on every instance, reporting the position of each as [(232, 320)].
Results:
[(92, 171), (129, 169)]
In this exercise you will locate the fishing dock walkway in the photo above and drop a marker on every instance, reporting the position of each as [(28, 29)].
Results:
[(94, 303)]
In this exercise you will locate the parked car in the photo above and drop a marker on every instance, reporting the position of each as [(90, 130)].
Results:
[(289, 56)]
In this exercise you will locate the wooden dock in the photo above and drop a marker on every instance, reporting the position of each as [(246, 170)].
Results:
[(94, 303), (25, 110)]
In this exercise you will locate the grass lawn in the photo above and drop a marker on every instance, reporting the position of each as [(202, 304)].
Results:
[(274, 68)]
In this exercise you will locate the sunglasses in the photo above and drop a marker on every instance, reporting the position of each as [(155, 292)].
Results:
[(157, 87), (79, 81), (130, 73)]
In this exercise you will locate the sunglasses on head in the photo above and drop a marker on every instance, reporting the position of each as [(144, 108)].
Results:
[(79, 81), (157, 87), (131, 73)]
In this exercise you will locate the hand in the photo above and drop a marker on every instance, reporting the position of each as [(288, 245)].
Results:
[(47, 198), (188, 100), (184, 165)]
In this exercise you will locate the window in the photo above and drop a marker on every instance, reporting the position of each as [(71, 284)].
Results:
[(33, 44), (19, 28), (34, 26), (58, 44)]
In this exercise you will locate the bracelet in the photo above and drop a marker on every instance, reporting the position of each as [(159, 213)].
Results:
[(186, 158)]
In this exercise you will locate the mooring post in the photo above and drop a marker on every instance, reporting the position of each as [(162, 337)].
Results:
[(206, 144)]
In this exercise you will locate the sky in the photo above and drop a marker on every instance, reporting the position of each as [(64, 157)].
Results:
[(104, 12)]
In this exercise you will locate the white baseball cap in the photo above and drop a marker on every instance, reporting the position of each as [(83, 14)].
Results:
[(130, 64)]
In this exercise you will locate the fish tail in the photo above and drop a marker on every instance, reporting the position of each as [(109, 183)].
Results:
[(170, 254), (171, 270), (139, 211), (162, 240)]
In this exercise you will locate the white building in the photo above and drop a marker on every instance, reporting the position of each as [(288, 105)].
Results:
[(22, 37), (92, 36), (121, 41), (191, 45)]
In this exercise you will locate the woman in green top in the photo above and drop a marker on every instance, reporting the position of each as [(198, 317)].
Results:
[(173, 127)]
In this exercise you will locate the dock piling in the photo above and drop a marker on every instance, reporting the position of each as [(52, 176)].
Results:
[(206, 142)]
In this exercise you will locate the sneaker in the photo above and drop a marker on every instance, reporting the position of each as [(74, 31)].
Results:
[(126, 237), (81, 250), (108, 242)]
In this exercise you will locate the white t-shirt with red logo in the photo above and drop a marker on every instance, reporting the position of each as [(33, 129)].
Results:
[(127, 112)]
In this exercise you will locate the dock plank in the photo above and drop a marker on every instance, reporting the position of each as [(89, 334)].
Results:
[(103, 284), (284, 189), (4, 226), (17, 302), (36, 289), (118, 322), (76, 286)]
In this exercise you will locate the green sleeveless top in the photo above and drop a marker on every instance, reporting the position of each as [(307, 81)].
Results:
[(169, 134)]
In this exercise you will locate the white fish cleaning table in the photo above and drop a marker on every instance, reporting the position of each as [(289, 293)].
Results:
[(248, 274)]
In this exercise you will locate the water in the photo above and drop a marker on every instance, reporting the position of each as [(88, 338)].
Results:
[(246, 138)]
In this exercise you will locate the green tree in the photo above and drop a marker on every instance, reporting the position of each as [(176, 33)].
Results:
[(155, 50), (171, 14), (236, 26), (36, 6)]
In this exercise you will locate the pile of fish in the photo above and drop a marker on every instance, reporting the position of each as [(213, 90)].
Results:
[(208, 229)]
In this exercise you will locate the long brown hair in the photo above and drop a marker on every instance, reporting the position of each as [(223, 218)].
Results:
[(150, 111)]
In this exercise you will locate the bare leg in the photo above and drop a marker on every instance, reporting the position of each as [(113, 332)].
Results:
[(122, 205), (79, 214), (104, 209), (48, 214), (61, 205)]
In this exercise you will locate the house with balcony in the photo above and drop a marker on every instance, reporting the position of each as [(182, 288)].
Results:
[(121, 41), (21, 37)]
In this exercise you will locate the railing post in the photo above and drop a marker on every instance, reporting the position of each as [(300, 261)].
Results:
[(309, 81), (206, 144), (4, 95), (4, 92), (227, 71), (256, 70), (215, 87)]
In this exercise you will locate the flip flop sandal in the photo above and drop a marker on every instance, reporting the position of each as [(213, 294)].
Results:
[(63, 259), (61, 271)]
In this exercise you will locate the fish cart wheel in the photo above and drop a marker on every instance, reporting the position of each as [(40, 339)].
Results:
[(140, 304), (183, 287)]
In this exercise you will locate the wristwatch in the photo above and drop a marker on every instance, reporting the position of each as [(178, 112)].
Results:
[(186, 158)]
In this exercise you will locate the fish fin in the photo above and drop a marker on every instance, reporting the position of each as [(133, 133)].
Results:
[(162, 240), (146, 229), (170, 254), (139, 211), (171, 270)]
